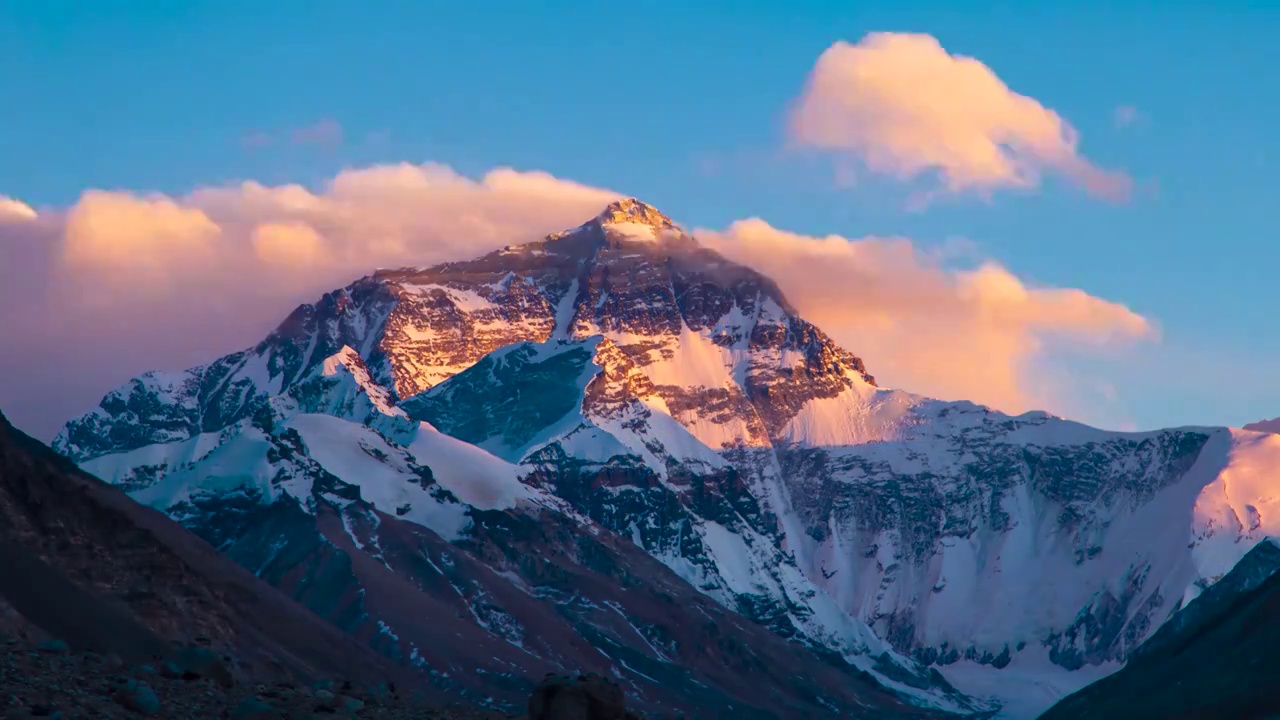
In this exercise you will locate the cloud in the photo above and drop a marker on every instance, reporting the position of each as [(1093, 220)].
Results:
[(121, 283), (15, 211), (288, 245), (903, 106), (1266, 426), (325, 132), (123, 235), (973, 334), (1125, 115), (256, 139)]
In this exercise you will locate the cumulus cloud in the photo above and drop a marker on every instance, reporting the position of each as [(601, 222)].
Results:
[(122, 283), (972, 334), (903, 106), (15, 211), (125, 235), (288, 245)]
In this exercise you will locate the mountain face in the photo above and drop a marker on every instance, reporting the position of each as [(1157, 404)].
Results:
[(1214, 659), (618, 385)]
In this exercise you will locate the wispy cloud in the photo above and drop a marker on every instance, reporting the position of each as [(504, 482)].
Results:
[(903, 106), (327, 133), (256, 139), (1126, 115)]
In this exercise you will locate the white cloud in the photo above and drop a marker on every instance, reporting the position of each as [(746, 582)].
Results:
[(903, 106)]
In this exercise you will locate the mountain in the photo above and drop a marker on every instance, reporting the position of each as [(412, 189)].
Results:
[(619, 381), (1216, 658), (86, 565)]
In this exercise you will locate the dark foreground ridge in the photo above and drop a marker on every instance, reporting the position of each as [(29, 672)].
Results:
[(111, 610), (46, 679), (85, 564)]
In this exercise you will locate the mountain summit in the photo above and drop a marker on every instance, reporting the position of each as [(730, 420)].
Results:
[(653, 415), (632, 210)]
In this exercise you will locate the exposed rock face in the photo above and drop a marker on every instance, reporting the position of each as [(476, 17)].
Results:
[(620, 377)]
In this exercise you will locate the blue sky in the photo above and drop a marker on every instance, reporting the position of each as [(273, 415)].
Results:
[(683, 104)]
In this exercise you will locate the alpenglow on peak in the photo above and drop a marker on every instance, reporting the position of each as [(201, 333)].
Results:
[(631, 210)]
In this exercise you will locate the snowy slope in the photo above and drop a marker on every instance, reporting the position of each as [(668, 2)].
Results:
[(624, 375)]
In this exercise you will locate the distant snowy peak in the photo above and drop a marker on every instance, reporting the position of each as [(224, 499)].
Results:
[(348, 363)]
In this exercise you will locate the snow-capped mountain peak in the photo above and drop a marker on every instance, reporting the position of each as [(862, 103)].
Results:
[(643, 384), (631, 210)]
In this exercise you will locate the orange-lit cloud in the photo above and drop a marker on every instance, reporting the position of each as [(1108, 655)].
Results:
[(120, 283), (136, 239), (903, 106), (15, 211), (288, 244), (954, 334)]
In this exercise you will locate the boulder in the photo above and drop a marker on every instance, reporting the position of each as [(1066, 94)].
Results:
[(578, 697)]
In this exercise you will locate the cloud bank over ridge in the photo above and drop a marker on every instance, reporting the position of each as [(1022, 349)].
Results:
[(120, 283)]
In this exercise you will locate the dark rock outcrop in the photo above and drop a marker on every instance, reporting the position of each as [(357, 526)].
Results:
[(580, 697), (81, 562)]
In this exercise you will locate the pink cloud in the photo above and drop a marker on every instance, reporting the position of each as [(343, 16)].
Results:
[(122, 283), (953, 334), (288, 245), (15, 211), (1266, 426), (903, 106), (130, 236)]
